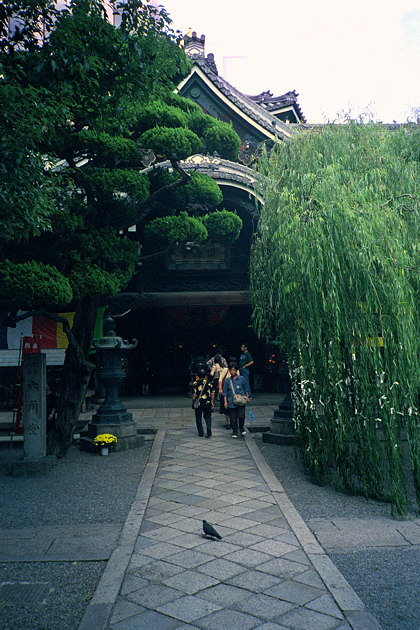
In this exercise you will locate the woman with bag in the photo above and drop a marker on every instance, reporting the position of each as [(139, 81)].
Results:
[(235, 398), (224, 374), (203, 401)]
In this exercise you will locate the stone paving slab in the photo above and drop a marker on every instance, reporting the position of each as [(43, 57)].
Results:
[(65, 543), (348, 533), (268, 571)]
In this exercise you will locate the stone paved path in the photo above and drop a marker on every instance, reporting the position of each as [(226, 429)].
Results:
[(344, 534), (267, 572)]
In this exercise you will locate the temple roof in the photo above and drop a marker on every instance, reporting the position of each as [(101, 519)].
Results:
[(246, 104), (276, 103)]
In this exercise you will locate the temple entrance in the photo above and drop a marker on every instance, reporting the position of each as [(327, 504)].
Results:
[(171, 337)]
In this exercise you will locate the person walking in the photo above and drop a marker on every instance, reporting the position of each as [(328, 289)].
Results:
[(217, 358), (235, 385), (203, 401), (215, 371), (223, 375), (245, 362)]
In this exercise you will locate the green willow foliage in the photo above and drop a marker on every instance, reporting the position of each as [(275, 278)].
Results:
[(335, 278)]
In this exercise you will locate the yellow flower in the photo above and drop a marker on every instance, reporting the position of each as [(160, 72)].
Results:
[(105, 439)]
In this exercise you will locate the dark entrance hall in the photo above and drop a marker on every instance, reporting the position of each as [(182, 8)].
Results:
[(171, 337)]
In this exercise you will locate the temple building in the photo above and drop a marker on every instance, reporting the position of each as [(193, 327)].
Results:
[(195, 299)]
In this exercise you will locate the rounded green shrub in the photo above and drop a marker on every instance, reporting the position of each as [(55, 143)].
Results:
[(222, 226), (200, 189), (181, 102), (106, 146), (222, 138), (37, 284), (119, 180), (173, 143), (92, 280), (199, 122), (176, 229), (158, 114)]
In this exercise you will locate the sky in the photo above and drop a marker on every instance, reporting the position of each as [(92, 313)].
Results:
[(340, 56)]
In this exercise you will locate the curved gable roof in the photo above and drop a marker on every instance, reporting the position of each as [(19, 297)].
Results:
[(241, 104)]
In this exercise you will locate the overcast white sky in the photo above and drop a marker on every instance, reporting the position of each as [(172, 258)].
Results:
[(338, 55)]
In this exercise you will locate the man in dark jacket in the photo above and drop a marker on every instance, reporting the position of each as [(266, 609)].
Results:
[(203, 400)]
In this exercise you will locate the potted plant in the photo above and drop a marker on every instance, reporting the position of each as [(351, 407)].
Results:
[(105, 441)]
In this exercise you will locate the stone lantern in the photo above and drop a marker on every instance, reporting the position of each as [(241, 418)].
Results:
[(112, 417), (282, 427)]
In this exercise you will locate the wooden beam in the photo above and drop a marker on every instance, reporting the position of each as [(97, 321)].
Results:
[(196, 298)]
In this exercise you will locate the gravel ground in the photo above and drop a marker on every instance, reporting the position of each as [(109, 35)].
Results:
[(388, 579), (61, 606), (310, 499), (388, 582), (82, 488)]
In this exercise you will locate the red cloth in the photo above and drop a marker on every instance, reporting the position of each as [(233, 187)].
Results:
[(46, 329)]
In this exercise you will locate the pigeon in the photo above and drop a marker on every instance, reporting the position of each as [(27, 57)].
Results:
[(210, 531)]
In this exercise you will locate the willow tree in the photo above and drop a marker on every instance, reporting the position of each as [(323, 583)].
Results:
[(335, 279)]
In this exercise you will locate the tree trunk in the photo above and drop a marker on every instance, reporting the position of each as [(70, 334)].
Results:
[(75, 379)]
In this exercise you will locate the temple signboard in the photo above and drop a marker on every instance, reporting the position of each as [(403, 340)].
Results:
[(195, 257)]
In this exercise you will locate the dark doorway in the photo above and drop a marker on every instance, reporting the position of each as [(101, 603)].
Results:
[(170, 337)]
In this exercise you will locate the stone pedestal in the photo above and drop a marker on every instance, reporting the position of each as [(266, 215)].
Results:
[(111, 417), (126, 434), (282, 428), (35, 460)]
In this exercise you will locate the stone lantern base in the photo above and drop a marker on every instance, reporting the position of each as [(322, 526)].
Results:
[(282, 428), (125, 432)]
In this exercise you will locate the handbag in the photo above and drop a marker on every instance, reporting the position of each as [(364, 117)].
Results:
[(238, 399)]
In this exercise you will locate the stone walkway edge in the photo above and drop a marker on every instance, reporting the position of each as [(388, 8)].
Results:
[(99, 610), (345, 596), (100, 607)]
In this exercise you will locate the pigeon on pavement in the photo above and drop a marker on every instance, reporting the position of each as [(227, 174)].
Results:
[(210, 531)]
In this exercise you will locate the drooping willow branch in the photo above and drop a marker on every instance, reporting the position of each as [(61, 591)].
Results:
[(341, 299)]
